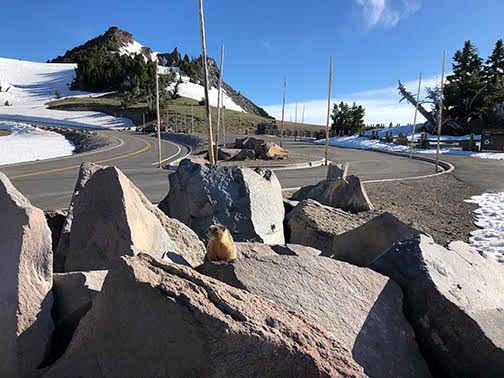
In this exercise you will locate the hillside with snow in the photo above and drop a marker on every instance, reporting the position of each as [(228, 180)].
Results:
[(27, 86)]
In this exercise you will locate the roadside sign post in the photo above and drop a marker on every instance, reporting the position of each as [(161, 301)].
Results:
[(158, 119)]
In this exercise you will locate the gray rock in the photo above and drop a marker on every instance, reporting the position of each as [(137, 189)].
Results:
[(271, 151), (181, 323), (455, 303), (74, 291), (276, 249), (365, 243), (361, 308), (225, 153), (55, 220), (338, 170), (85, 172), (109, 223), (316, 225), (346, 194), (248, 202), (25, 291), (245, 154)]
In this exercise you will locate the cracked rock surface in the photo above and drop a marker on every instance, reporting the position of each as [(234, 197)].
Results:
[(157, 319)]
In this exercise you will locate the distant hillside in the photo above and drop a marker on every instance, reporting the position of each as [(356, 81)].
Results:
[(122, 42), (112, 40)]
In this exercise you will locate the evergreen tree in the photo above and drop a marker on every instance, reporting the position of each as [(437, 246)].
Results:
[(347, 119), (494, 77), (463, 92)]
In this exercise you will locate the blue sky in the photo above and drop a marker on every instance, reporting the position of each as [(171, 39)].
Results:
[(373, 42)]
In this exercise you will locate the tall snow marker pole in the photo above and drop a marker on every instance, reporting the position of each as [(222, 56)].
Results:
[(219, 104), (414, 118), (192, 119), (223, 127), (211, 157), (283, 113), (158, 119), (328, 111), (302, 123), (440, 113)]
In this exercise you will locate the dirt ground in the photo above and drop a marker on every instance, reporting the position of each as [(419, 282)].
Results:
[(434, 205)]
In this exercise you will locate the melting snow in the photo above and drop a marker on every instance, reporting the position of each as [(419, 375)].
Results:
[(489, 239), (27, 143)]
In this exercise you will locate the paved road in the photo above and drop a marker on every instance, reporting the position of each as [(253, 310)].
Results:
[(49, 184)]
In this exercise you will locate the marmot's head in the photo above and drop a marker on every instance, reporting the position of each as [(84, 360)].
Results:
[(216, 231)]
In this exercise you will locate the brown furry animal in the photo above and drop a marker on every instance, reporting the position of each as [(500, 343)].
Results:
[(221, 246)]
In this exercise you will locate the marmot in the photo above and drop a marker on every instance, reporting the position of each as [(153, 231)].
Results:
[(221, 246)]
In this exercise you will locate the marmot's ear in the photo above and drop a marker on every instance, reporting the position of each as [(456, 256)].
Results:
[(223, 228)]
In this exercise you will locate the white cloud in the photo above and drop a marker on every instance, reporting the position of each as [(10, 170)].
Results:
[(383, 12), (382, 105)]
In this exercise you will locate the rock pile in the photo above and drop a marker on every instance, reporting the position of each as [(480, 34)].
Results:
[(134, 296), (250, 149)]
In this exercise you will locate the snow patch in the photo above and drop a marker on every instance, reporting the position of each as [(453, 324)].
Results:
[(197, 92), (33, 84), (489, 239), (363, 143), (27, 143)]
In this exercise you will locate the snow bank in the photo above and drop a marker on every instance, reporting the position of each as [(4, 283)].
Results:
[(489, 240), (363, 143), (33, 84), (27, 143)]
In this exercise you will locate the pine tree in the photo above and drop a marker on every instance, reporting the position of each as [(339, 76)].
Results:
[(464, 95), (494, 77)]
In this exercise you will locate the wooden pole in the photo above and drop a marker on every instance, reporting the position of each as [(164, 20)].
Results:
[(283, 112), (302, 121), (440, 113), (192, 119), (219, 103), (295, 123), (223, 128), (158, 119), (414, 119), (328, 111), (211, 157)]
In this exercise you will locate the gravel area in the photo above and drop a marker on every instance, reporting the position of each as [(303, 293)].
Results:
[(433, 205)]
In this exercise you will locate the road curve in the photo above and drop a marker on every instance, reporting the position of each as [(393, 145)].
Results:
[(48, 184)]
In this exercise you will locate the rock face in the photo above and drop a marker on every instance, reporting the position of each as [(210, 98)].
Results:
[(85, 172), (25, 290), (74, 291), (248, 202), (73, 296), (361, 308), (316, 225), (346, 194), (272, 151), (247, 249), (363, 244), (336, 171), (109, 223), (455, 303), (192, 325), (55, 220)]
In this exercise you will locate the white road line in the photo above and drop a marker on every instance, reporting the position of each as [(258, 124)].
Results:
[(172, 156)]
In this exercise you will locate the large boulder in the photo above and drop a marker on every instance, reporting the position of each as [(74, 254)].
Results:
[(248, 202), (246, 249), (361, 308), (153, 319), (365, 243), (313, 224), (338, 170), (25, 290), (109, 223), (455, 303), (225, 153), (85, 172), (346, 194), (271, 151)]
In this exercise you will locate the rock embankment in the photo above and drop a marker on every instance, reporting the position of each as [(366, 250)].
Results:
[(135, 294), (83, 140)]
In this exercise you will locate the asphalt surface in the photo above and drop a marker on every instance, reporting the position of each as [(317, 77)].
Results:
[(49, 184)]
